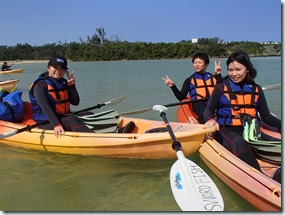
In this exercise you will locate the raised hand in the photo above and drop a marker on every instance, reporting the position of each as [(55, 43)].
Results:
[(70, 78), (168, 81), (218, 68)]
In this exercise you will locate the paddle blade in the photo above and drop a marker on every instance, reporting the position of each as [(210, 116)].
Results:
[(136, 112), (116, 100), (272, 87), (194, 190)]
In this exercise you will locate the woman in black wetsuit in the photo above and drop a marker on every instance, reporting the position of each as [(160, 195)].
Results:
[(51, 96), (232, 99)]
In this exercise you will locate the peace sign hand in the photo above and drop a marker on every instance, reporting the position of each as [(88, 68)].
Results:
[(71, 79), (168, 81), (218, 68)]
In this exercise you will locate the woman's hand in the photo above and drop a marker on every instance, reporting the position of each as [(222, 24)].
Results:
[(70, 78), (58, 131), (218, 68), (211, 123), (168, 82)]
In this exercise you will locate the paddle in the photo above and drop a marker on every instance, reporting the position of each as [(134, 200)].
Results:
[(139, 111), (149, 109), (111, 102), (192, 188), (14, 62), (29, 127), (272, 87)]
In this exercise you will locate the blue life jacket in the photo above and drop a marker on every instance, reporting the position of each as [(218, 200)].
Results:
[(11, 106)]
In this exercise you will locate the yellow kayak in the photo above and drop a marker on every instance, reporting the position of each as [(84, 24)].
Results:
[(9, 85), (21, 70), (140, 143)]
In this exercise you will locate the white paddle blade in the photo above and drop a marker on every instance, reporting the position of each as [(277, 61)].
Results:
[(272, 87), (159, 108), (194, 190), (116, 100)]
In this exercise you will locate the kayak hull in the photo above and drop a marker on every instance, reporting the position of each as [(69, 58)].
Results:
[(9, 85), (137, 144), (20, 70), (257, 188)]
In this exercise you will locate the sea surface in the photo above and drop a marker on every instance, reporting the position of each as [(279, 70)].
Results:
[(42, 181)]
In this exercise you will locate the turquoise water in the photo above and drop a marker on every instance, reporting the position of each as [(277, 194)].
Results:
[(39, 181)]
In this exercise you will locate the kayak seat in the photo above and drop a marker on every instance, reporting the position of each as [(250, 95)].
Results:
[(128, 128), (157, 130)]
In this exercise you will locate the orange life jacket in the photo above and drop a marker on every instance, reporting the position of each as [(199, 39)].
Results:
[(203, 85), (57, 95), (239, 102)]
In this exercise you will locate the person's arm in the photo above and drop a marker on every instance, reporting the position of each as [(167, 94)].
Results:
[(218, 77), (213, 102), (40, 92), (73, 95), (264, 112), (180, 95), (217, 71)]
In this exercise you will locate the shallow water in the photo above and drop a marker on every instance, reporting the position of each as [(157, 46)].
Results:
[(41, 181)]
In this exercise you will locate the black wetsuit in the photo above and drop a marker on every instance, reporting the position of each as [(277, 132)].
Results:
[(231, 137), (197, 107), (5, 67), (69, 122)]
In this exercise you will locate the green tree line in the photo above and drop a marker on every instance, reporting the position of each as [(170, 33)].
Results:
[(98, 48)]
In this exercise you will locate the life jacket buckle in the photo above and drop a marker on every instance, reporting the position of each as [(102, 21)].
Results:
[(245, 118)]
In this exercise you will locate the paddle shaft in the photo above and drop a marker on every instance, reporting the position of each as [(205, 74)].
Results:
[(175, 144), (90, 108), (168, 105), (14, 62)]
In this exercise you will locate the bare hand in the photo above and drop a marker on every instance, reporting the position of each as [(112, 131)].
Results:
[(70, 78), (168, 81), (212, 123), (218, 68), (58, 131)]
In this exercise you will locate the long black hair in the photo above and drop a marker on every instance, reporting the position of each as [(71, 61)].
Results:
[(243, 58)]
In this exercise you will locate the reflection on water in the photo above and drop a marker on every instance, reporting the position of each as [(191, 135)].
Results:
[(42, 181)]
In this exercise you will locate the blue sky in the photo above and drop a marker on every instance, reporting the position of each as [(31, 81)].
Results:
[(39, 22)]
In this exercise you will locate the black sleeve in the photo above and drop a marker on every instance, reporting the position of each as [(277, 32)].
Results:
[(180, 95), (218, 77), (73, 95), (264, 111), (213, 102), (40, 92)]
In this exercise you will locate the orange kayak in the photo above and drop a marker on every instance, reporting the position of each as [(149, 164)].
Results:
[(137, 144), (259, 189)]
